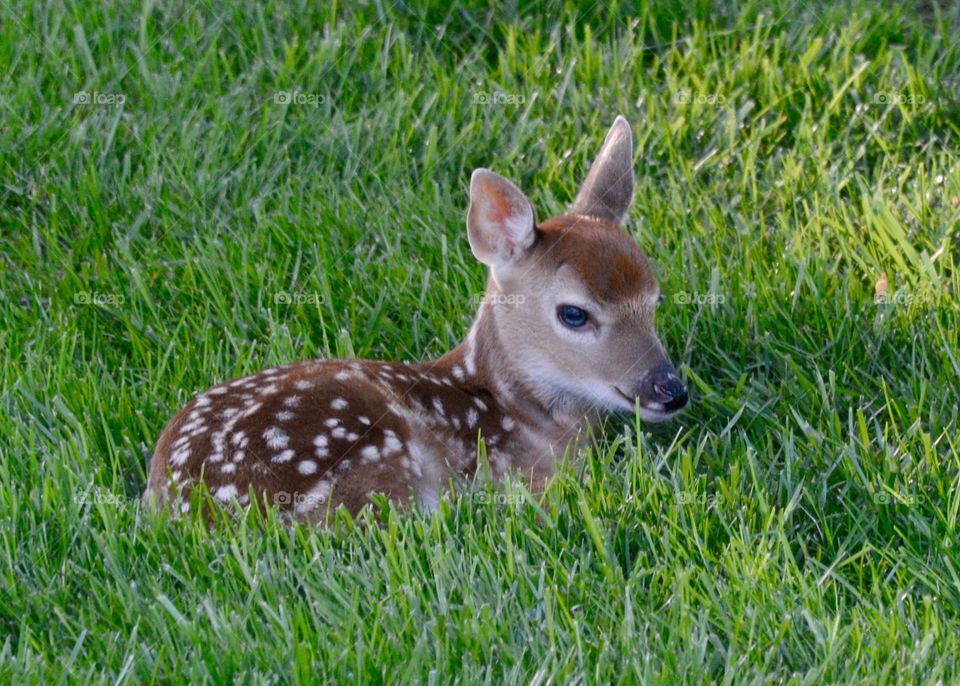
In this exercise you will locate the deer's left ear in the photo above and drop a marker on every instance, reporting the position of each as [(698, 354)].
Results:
[(608, 190), (500, 222)]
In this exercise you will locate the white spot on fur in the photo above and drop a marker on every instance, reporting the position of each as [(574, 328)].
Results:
[(285, 456), (284, 416), (291, 401), (370, 453), (338, 403), (470, 356), (391, 444), (429, 499), (479, 403), (302, 385), (190, 426), (227, 492), (507, 423), (500, 461), (458, 372), (251, 409), (364, 420), (178, 457), (417, 458), (332, 422), (238, 456), (275, 438), (321, 441), (472, 418), (228, 468), (307, 467)]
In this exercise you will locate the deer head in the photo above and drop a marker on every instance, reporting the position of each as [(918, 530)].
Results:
[(573, 300)]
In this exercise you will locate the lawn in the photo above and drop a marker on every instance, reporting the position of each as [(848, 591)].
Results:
[(193, 191)]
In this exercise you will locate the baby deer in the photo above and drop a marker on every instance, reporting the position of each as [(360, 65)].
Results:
[(565, 332)]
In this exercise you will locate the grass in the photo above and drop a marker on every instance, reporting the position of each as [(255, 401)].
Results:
[(799, 524)]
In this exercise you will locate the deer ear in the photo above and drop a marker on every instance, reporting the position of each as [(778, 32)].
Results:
[(500, 222), (608, 190)]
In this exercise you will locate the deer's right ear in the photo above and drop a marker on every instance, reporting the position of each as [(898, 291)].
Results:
[(500, 222)]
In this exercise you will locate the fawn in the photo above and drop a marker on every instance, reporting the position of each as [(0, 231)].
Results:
[(564, 333)]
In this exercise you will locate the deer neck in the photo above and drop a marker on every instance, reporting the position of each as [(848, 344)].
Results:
[(487, 367)]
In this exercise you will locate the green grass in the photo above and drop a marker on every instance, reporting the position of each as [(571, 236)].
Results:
[(799, 524)]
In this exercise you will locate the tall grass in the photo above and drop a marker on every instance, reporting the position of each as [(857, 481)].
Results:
[(194, 191)]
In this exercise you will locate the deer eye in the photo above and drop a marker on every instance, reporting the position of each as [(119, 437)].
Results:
[(572, 316)]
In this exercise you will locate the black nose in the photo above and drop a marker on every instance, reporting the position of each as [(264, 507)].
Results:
[(670, 391)]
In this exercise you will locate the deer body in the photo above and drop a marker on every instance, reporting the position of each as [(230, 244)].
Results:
[(565, 333)]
